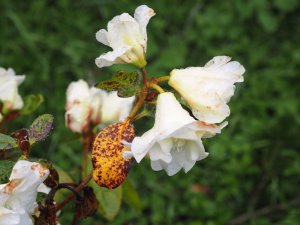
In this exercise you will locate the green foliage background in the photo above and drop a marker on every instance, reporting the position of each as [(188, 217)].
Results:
[(254, 165)]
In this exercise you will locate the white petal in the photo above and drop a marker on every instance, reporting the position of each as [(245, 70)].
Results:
[(78, 117), (78, 92), (111, 58), (114, 108), (101, 36), (156, 153), (143, 14), (9, 217), (127, 155), (96, 104), (217, 61), (156, 165), (208, 89), (43, 188), (22, 187), (141, 145)]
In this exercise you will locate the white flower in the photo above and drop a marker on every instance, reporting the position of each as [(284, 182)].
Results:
[(127, 36), (174, 142), (86, 105), (207, 89), (9, 95), (18, 196), (114, 108), (78, 113)]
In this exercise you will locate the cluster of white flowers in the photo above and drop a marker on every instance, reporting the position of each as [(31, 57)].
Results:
[(174, 142), (9, 96), (18, 196), (86, 105)]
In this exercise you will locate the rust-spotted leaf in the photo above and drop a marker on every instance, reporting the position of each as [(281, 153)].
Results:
[(110, 168)]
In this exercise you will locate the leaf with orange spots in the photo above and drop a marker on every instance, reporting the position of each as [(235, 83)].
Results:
[(110, 168)]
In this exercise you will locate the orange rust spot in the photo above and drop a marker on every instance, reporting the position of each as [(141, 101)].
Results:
[(39, 168), (150, 12), (110, 168), (11, 186)]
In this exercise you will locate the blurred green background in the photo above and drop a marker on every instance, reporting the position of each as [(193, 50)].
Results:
[(252, 175)]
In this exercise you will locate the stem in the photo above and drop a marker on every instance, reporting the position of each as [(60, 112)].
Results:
[(50, 197), (60, 205), (142, 96), (141, 115), (144, 72), (162, 79), (156, 87)]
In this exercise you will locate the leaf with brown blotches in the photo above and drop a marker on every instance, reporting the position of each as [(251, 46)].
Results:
[(110, 168)]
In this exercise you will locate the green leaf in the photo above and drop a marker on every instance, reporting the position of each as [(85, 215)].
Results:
[(130, 89), (7, 142), (127, 84), (31, 103), (130, 196), (125, 78), (5, 170), (109, 200), (40, 128), (109, 85)]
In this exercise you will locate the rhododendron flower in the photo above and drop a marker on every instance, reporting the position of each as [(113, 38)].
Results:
[(9, 95), (174, 142), (127, 36), (207, 89), (18, 196), (86, 105), (78, 108)]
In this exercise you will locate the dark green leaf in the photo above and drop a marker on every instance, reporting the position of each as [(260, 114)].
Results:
[(7, 142), (31, 103), (130, 195), (125, 78), (127, 84), (109, 85), (5, 170), (40, 128), (130, 89)]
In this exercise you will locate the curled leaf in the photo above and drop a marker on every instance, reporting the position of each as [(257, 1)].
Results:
[(110, 168)]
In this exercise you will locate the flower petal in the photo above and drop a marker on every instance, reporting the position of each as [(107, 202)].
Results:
[(142, 15), (101, 36), (111, 58), (9, 217)]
